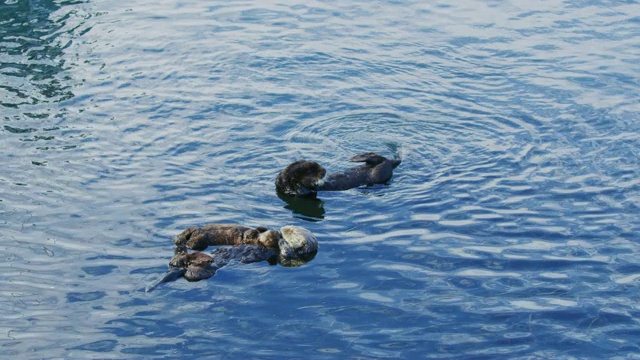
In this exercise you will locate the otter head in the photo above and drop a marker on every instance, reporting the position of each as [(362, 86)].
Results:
[(197, 265), (297, 246), (269, 238), (300, 178)]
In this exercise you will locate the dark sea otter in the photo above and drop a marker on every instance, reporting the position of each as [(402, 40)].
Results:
[(308, 177), (291, 246)]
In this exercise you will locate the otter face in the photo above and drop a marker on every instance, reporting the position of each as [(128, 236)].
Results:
[(297, 246), (300, 178), (313, 173), (269, 238), (200, 272), (197, 265)]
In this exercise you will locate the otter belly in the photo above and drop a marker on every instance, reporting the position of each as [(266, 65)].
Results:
[(348, 179)]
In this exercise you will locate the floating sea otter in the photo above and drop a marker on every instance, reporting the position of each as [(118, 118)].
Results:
[(291, 246), (308, 177)]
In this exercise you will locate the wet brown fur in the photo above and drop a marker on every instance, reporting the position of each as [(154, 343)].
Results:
[(300, 177), (197, 265), (297, 246), (199, 238)]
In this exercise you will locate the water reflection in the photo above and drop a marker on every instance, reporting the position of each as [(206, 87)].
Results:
[(37, 39), (38, 167), (307, 207), (31, 49)]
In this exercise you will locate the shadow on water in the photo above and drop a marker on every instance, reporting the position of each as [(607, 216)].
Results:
[(308, 208)]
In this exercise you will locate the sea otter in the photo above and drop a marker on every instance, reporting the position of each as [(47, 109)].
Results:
[(291, 246), (198, 238), (308, 177)]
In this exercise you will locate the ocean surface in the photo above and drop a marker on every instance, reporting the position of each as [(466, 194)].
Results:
[(510, 230)]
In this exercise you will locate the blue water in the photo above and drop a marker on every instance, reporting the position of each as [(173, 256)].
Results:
[(510, 230)]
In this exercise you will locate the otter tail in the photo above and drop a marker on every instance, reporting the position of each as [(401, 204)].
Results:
[(373, 159), (172, 275)]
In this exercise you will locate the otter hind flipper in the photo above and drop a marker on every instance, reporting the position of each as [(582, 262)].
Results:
[(172, 275), (370, 158)]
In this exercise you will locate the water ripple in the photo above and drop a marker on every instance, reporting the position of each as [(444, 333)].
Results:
[(509, 230)]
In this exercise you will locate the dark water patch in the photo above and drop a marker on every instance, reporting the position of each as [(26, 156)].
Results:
[(99, 270), (97, 346), (18, 130), (73, 297)]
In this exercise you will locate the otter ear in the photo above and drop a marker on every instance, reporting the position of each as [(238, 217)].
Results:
[(261, 229), (371, 158)]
